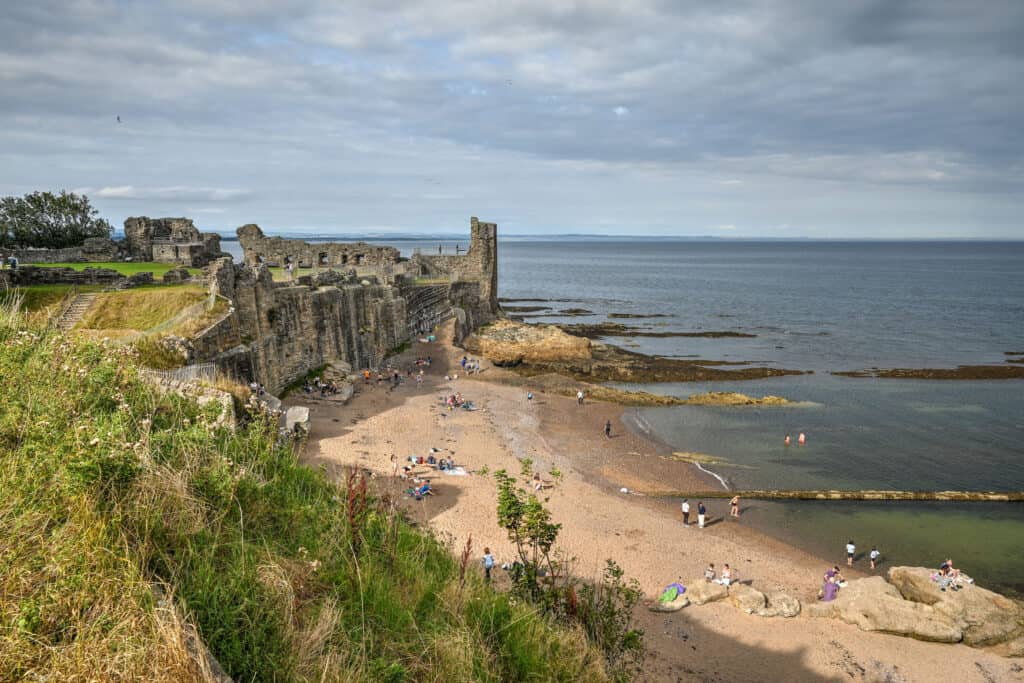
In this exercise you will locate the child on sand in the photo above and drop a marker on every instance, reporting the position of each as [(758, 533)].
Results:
[(608, 429), (709, 573), (734, 507)]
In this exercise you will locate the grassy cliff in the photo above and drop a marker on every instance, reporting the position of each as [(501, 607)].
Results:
[(129, 516)]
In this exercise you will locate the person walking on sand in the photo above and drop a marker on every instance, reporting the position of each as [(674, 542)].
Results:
[(701, 512), (608, 428), (579, 397), (488, 561), (850, 550), (686, 512), (873, 556), (734, 507)]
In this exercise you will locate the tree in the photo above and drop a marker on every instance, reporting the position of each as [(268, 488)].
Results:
[(44, 219)]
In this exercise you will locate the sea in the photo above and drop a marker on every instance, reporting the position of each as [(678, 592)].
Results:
[(821, 307)]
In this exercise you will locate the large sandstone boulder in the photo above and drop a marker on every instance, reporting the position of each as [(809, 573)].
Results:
[(779, 605), (507, 343), (874, 605), (745, 598), (700, 591), (984, 617)]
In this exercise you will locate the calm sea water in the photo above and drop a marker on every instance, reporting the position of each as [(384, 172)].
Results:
[(826, 306)]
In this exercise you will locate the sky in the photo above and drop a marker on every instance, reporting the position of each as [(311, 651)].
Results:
[(793, 118)]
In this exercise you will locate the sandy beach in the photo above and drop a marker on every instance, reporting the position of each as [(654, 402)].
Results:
[(714, 642)]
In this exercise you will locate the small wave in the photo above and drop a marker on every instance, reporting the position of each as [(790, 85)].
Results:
[(721, 480)]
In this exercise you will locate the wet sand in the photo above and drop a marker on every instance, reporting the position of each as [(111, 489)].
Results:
[(645, 536)]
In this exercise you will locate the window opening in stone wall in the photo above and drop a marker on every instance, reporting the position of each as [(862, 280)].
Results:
[(323, 258)]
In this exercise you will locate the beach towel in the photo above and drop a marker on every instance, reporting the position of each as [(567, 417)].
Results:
[(671, 592), (456, 471)]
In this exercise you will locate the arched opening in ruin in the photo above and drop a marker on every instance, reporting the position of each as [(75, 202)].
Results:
[(344, 259), (359, 259), (323, 259)]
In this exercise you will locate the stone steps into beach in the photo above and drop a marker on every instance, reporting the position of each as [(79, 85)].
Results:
[(76, 311)]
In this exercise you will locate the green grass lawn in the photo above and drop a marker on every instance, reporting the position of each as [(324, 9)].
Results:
[(139, 309), (123, 267)]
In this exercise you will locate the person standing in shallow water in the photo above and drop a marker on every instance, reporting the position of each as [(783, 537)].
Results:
[(701, 512), (851, 549), (608, 428), (686, 512)]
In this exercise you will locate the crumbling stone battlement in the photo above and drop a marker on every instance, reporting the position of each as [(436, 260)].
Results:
[(170, 240), (278, 251)]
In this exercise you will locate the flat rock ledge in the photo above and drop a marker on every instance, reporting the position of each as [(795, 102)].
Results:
[(910, 604)]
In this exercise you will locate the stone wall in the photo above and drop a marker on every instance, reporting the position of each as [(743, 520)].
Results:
[(25, 276), (286, 330), (277, 251), (170, 240), (93, 250)]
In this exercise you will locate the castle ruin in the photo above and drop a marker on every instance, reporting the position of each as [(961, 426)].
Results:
[(365, 302)]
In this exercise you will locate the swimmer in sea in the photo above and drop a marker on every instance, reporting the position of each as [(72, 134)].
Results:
[(786, 440), (801, 439)]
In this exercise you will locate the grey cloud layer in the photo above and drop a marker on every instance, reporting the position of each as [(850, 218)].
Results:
[(688, 110)]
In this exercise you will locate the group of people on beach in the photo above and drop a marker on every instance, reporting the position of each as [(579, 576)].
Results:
[(702, 511), (471, 366), (319, 385), (727, 577)]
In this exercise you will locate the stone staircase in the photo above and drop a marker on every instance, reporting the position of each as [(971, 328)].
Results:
[(75, 312)]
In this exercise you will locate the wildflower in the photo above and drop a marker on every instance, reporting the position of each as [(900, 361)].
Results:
[(94, 442)]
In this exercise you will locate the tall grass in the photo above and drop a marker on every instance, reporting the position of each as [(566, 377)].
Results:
[(110, 488)]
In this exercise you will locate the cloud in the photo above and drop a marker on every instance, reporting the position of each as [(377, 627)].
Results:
[(322, 112), (175, 193)]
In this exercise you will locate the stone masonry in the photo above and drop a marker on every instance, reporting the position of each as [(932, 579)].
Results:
[(170, 240), (278, 251)]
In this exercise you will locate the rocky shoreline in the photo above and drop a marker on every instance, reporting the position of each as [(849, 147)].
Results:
[(533, 350), (959, 372)]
